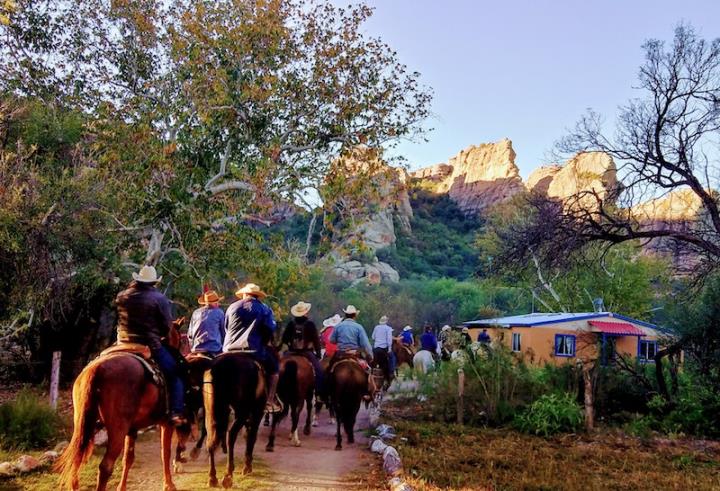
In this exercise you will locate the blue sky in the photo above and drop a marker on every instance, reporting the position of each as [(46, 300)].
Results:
[(525, 69)]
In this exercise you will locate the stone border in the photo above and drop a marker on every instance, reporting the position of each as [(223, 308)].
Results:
[(392, 464)]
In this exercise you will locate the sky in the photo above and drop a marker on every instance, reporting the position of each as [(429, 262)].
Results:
[(524, 69)]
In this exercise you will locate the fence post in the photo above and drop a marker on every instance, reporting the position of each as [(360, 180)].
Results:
[(461, 395), (55, 378), (587, 369)]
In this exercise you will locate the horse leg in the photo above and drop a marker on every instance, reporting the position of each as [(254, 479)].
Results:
[(227, 481), (252, 432), (338, 435), (166, 433), (116, 441), (310, 416), (128, 459), (275, 421), (295, 416), (183, 434), (195, 452), (349, 423)]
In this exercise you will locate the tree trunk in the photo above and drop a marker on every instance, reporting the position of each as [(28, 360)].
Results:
[(587, 369)]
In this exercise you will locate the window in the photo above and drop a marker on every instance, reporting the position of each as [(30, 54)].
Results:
[(647, 350), (564, 345), (516, 342)]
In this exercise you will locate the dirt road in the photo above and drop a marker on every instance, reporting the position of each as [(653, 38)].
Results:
[(315, 465)]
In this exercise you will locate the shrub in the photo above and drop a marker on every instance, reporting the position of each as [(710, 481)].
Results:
[(550, 414), (26, 422)]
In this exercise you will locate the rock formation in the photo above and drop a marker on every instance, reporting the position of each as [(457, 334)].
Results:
[(584, 172), (477, 178)]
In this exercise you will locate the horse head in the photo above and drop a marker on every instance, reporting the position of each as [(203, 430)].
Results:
[(174, 336)]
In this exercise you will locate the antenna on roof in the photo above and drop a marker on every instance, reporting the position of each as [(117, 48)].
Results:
[(598, 304)]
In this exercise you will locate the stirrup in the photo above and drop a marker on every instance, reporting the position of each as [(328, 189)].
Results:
[(275, 406)]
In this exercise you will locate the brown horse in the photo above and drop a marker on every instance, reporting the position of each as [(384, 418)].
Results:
[(296, 388), (348, 383), (117, 392), (403, 353), (381, 360), (235, 381)]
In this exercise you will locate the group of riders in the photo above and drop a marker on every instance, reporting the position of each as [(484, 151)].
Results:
[(145, 317)]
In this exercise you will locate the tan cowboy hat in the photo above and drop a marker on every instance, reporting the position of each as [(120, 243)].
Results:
[(147, 274), (407, 328), (383, 319), (209, 297), (350, 309), (445, 328), (300, 309), (251, 289), (332, 321)]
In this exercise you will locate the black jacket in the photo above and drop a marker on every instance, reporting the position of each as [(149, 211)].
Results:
[(144, 315)]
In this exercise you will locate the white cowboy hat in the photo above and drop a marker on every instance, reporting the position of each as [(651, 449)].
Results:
[(383, 319), (250, 289), (445, 328), (300, 309), (350, 309), (465, 329), (332, 321), (147, 274), (407, 328)]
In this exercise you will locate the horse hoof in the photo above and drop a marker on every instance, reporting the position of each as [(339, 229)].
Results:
[(247, 469), (306, 431), (194, 453), (338, 447), (213, 482), (177, 467), (169, 487), (297, 443), (227, 482)]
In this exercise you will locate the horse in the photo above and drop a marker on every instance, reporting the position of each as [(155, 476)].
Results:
[(423, 361), (403, 353), (296, 388), (381, 360), (116, 391), (235, 381), (197, 364), (348, 383), (319, 399)]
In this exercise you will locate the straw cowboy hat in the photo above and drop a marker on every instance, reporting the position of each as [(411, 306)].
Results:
[(332, 321), (300, 309), (407, 328), (445, 328), (147, 274), (350, 309), (465, 329), (251, 289), (383, 319), (209, 297)]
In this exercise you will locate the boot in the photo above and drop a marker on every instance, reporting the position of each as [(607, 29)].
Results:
[(273, 404)]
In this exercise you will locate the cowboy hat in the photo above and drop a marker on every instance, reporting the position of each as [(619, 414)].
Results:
[(300, 309), (383, 319), (465, 329), (209, 297), (445, 328), (332, 321), (147, 274), (407, 328), (251, 289), (350, 309)]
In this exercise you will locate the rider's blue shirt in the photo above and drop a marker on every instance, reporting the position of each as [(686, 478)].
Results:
[(349, 335), (241, 314), (207, 330)]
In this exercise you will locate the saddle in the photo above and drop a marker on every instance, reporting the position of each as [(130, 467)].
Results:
[(141, 353)]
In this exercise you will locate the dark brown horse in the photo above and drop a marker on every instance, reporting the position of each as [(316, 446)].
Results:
[(117, 392), (197, 364), (296, 388), (381, 360), (234, 381), (348, 383), (403, 353)]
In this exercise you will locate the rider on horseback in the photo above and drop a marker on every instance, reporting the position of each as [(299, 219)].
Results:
[(351, 338), (207, 325), (250, 325), (428, 342), (382, 337), (301, 336), (145, 317)]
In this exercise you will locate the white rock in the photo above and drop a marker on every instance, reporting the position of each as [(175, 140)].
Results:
[(26, 463), (49, 457), (391, 461), (378, 446), (7, 469)]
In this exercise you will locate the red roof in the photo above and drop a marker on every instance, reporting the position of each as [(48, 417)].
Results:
[(616, 328)]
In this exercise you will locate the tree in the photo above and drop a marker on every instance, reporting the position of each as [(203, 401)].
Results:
[(665, 144)]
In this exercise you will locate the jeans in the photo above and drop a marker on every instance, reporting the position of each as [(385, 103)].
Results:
[(171, 370)]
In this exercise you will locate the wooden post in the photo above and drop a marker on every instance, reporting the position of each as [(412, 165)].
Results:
[(55, 378), (461, 395), (587, 369)]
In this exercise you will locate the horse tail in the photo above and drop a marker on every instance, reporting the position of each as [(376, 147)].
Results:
[(288, 380), (85, 415)]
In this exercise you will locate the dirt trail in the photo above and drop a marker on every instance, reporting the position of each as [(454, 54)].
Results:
[(315, 465)]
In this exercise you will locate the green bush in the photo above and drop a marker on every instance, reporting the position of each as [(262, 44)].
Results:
[(26, 422), (551, 414)]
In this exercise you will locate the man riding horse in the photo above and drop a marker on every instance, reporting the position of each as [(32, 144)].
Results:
[(250, 325), (301, 337), (145, 317), (382, 337), (351, 339), (207, 325)]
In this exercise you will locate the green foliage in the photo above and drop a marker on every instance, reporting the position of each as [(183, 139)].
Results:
[(441, 241), (551, 414), (27, 422)]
